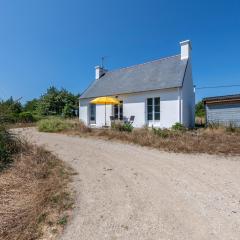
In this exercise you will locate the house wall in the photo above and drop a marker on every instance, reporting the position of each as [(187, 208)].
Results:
[(135, 104), (188, 99), (83, 110), (228, 113), (100, 112)]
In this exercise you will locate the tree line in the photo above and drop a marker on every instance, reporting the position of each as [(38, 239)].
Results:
[(54, 102)]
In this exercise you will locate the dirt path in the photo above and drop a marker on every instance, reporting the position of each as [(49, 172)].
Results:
[(130, 192)]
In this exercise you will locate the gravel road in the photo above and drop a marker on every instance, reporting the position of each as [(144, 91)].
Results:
[(130, 192)]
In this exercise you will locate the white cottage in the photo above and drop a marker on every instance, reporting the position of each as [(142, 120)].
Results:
[(159, 93)]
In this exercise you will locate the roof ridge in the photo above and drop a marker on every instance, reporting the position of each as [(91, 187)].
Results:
[(139, 64), (221, 97)]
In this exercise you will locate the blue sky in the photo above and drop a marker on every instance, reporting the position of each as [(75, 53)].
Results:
[(58, 42)]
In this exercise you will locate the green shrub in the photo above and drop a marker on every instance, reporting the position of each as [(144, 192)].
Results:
[(26, 117), (125, 127), (178, 127), (53, 125), (200, 109), (37, 117), (8, 118), (163, 133), (68, 111)]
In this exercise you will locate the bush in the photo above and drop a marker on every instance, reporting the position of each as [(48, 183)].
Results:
[(68, 111), (26, 117), (125, 127), (200, 110), (53, 125), (178, 127), (8, 118), (37, 117), (163, 133)]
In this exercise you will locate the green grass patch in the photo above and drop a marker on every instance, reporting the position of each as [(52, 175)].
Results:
[(53, 125), (122, 127)]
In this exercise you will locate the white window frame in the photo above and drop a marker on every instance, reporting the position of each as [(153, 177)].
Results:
[(153, 109), (118, 106)]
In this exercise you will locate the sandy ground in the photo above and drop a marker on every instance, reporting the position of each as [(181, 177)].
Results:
[(130, 192)]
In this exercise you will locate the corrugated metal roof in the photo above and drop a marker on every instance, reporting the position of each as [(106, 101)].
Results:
[(218, 98), (159, 74)]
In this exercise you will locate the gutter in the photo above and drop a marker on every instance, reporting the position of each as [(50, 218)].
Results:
[(180, 104)]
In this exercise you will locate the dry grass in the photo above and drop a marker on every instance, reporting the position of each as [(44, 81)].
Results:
[(34, 196), (211, 141), (21, 125)]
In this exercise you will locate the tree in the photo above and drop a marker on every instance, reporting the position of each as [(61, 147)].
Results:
[(10, 109), (200, 109), (10, 106), (31, 106), (68, 110), (14, 107), (57, 102)]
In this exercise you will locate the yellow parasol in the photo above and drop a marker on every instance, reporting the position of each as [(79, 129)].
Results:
[(105, 101)]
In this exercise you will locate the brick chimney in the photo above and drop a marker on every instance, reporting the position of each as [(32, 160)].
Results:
[(186, 49)]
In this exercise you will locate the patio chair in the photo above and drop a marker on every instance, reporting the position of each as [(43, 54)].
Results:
[(131, 119), (125, 119)]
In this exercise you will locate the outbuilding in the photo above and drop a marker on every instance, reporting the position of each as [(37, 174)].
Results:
[(223, 110)]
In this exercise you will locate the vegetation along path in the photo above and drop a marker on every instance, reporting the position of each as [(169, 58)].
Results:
[(130, 192)]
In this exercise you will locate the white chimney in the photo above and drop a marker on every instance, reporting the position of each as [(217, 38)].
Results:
[(186, 49), (99, 72)]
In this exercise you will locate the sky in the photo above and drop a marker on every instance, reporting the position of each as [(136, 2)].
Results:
[(58, 43)]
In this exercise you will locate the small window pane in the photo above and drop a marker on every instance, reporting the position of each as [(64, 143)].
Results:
[(150, 109), (149, 101), (157, 109), (157, 101), (150, 116), (157, 116)]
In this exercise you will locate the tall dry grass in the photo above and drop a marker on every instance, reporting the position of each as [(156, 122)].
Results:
[(34, 196), (210, 140), (9, 145)]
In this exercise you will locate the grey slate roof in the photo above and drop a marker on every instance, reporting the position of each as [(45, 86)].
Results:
[(226, 97), (159, 74)]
